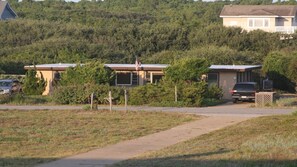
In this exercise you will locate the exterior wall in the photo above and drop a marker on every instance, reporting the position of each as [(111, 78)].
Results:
[(48, 76), (226, 81), (243, 23)]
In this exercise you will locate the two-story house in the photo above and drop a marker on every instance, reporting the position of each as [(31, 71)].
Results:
[(270, 18), (6, 11)]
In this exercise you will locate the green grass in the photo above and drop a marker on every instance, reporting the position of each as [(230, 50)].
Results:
[(31, 137), (262, 142)]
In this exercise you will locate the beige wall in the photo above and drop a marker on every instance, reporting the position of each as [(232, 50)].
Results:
[(243, 23), (226, 81), (48, 76)]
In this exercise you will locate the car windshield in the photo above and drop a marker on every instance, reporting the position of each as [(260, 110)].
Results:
[(5, 84), (244, 87)]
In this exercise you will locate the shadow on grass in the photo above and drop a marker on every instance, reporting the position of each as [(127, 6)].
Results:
[(201, 159), (23, 162)]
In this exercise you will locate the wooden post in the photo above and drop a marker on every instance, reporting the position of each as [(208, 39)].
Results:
[(92, 101), (126, 100), (110, 101), (175, 93)]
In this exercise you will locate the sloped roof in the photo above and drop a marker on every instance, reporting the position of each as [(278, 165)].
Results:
[(259, 10), (3, 6)]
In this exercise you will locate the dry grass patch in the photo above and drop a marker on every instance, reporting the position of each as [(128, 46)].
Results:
[(266, 141), (31, 137)]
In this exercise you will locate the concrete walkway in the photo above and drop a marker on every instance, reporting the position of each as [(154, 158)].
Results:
[(129, 149)]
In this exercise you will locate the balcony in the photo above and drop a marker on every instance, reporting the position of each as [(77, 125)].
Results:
[(286, 29)]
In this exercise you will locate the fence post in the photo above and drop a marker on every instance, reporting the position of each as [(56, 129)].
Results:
[(126, 100), (110, 101), (92, 101), (175, 93)]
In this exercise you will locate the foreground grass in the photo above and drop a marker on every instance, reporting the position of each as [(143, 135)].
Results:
[(31, 137), (266, 141)]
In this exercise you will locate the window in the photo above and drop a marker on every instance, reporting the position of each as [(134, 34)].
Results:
[(124, 78), (213, 79), (258, 22), (156, 77), (279, 21)]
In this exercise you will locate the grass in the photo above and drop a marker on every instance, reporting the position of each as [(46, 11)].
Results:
[(31, 137), (263, 142), (286, 102)]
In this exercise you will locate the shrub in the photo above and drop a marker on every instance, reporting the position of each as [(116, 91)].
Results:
[(80, 94), (33, 85), (214, 92)]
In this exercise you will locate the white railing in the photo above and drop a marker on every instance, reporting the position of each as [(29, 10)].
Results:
[(286, 29)]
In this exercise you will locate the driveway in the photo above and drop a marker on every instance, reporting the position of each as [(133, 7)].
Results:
[(228, 109)]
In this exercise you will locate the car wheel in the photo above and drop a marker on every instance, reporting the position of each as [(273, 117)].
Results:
[(235, 100)]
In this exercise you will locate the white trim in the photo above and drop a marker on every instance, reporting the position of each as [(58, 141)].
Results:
[(255, 16)]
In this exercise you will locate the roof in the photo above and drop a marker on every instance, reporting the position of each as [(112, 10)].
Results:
[(59, 66), (132, 67), (128, 67), (234, 67), (5, 5), (259, 10)]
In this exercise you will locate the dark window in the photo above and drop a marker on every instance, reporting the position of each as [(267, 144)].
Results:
[(123, 78), (245, 87), (213, 79), (157, 78)]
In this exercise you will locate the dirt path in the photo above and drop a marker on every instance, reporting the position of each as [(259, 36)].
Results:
[(129, 149)]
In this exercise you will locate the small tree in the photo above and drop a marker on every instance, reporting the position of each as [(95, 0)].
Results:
[(187, 69), (90, 73), (33, 85)]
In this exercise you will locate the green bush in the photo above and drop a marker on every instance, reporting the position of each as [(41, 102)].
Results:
[(81, 94), (33, 85), (163, 94), (214, 92)]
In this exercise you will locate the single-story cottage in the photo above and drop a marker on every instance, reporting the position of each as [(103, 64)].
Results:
[(224, 76)]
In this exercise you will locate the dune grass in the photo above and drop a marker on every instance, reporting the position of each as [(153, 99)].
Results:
[(263, 142), (31, 137)]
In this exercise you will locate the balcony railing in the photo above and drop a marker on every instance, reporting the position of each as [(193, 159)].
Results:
[(286, 29)]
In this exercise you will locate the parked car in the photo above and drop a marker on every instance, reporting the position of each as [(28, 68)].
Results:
[(8, 86), (244, 91)]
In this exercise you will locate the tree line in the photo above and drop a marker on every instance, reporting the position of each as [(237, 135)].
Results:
[(115, 31)]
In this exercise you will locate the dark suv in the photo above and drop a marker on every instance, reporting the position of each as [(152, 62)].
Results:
[(244, 91)]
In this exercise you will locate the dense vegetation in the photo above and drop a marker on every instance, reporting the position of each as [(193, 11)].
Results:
[(115, 31)]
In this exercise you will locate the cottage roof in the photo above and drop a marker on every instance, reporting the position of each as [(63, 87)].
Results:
[(259, 10), (4, 5), (127, 67), (234, 67)]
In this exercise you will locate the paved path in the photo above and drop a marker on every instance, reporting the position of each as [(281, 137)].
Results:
[(129, 149)]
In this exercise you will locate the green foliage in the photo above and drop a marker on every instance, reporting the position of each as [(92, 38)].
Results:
[(163, 94), (33, 85), (280, 68), (214, 92), (187, 69), (89, 73), (114, 31), (81, 94)]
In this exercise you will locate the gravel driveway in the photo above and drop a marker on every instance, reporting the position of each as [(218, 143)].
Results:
[(228, 109)]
